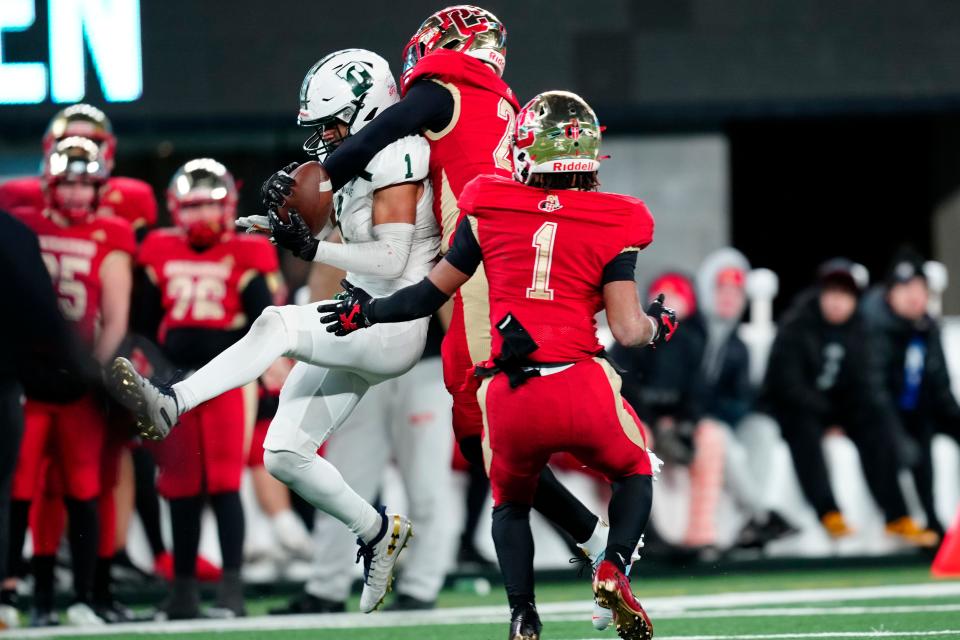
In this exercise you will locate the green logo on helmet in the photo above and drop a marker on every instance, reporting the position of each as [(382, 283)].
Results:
[(358, 77)]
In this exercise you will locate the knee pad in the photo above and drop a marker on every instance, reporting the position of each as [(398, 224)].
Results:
[(285, 466)]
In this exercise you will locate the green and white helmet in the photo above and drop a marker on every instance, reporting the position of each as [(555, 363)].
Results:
[(350, 86), (556, 132)]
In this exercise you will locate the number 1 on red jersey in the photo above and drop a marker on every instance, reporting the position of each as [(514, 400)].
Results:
[(543, 241)]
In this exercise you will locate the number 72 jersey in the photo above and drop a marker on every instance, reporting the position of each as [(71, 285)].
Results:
[(545, 252), (203, 289)]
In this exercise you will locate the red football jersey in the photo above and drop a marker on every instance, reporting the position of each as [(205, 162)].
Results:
[(477, 140), (126, 198), (204, 289), (544, 253), (73, 255)]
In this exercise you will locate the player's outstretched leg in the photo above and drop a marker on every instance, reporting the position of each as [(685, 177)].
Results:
[(629, 512), (158, 407)]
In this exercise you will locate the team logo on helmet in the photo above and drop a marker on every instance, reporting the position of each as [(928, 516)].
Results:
[(556, 132), (466, 28)]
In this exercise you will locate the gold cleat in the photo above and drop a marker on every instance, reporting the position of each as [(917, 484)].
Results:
[(155, 406)]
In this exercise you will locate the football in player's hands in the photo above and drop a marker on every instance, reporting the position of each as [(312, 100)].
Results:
[(310, 193), (665, 319), (348, 313)]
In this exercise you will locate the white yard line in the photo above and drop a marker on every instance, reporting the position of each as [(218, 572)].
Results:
[(952, 633), (725, 605)]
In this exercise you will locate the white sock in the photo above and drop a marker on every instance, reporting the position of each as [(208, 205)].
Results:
[(238, 364), (597, 543), (321, 484)]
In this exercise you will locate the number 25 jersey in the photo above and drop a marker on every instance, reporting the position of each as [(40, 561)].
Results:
[(74, 255), (544, 253)]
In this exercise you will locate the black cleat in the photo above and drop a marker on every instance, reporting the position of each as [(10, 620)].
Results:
[(524, 623), (755, 535), (230, 602), (308, 603), (184, 601)]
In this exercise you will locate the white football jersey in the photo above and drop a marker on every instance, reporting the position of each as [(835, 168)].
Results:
[(406, 160)]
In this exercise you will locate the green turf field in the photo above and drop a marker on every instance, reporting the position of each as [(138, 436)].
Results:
[(899, 603)]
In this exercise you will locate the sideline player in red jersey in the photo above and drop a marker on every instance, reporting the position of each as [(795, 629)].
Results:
[(204, 285), (127, 198), (89, 260), (453, 93), (555, 252)]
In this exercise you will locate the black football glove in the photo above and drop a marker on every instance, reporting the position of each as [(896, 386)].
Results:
[(294, 235), (666, 319), (277, 187), (349, 313)]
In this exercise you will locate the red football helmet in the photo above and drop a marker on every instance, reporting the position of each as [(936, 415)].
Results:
[(74, 160), (85, 121), (463, 27), (203, 181)]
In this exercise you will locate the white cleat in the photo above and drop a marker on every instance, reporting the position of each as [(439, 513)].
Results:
[(80, 614), (156, 407), (380, 559), (602, 617)]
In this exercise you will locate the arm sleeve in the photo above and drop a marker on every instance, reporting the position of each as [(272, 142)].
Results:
[(465, 253), (416, 301), (386, 256), (622, 267), (426, 105)]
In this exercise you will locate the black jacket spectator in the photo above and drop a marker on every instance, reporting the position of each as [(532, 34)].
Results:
[(931, 406), (818, 368), (822, 375)]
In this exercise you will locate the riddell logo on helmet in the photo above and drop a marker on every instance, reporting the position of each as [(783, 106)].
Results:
[(552, 203), (574, 165)]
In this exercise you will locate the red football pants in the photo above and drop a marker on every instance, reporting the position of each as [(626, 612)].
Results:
[(72, 435), (467, 342), (578, 410), (205, 452), (48, 515)]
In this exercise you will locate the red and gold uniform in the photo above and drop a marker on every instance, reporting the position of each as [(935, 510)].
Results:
[(73, 433), (545, 254), (205, 306), (475, 142), (127, 198)]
